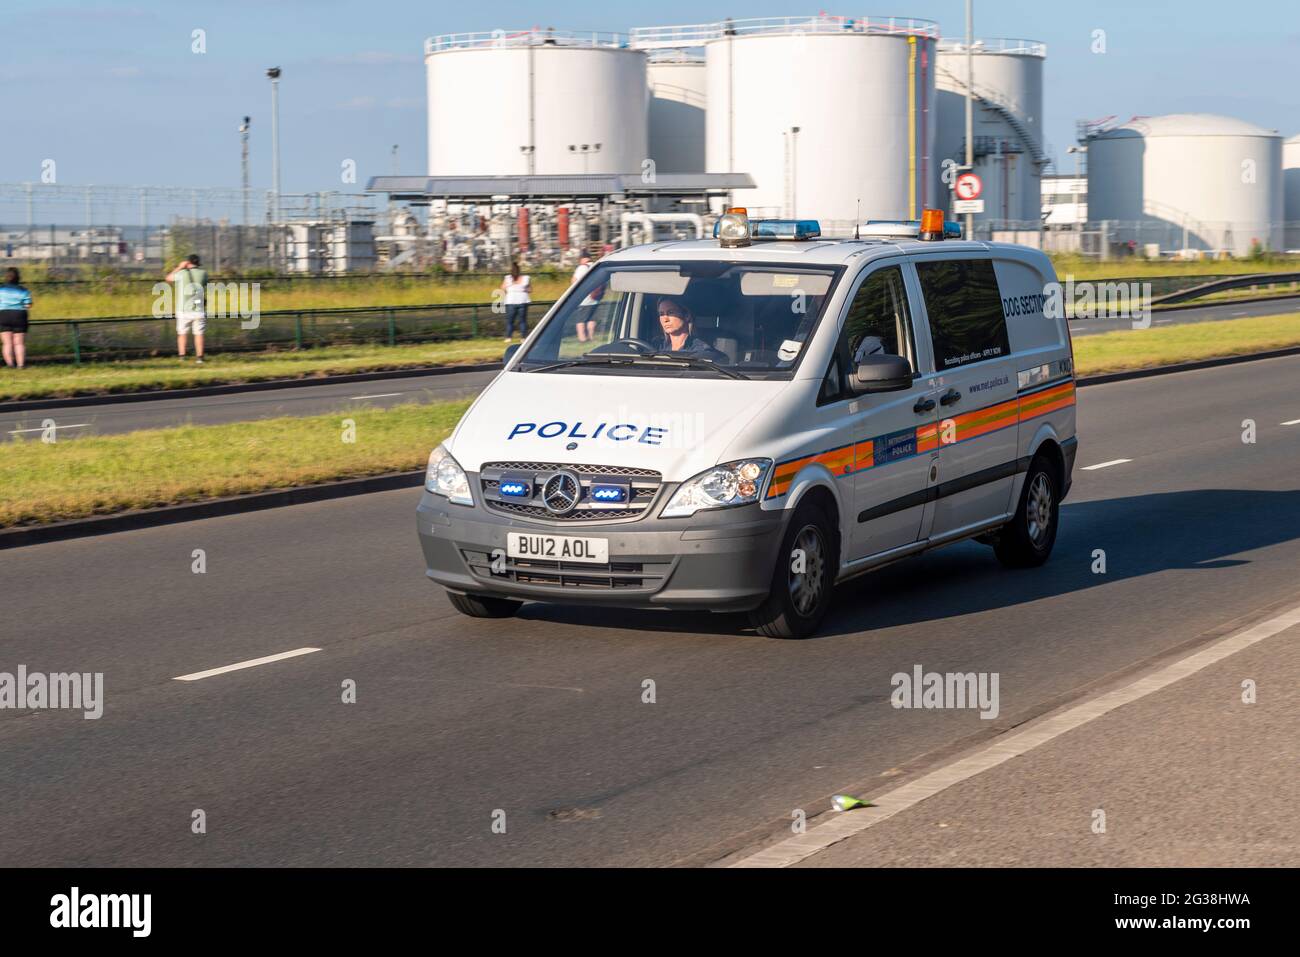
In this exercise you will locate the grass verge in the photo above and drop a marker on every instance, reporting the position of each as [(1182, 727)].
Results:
[(99, 475), (1143, 348), (138, 375)]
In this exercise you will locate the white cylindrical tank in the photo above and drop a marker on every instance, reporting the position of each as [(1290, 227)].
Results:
[(1214, 179), (1291, 192), (824, 112), (678, 89), (1007, 122), (541, 102)]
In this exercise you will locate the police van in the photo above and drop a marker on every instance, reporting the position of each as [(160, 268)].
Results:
[(739, 424)]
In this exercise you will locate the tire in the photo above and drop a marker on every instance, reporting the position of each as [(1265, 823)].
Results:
[(480, 606), (1027, 541), (797, 602)]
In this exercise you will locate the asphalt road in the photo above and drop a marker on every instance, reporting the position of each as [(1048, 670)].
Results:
[(74, 421), (542, 717)]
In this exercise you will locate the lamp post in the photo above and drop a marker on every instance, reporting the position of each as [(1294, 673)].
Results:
[(274, 74), (243, 164), (970, 97)]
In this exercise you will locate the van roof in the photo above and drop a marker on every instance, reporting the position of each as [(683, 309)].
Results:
[(815, 252)]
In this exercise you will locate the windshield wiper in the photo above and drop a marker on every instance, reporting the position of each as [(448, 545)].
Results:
[(695, 362), (585, 361)]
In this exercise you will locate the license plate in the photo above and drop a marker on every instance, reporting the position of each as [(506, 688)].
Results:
[(557, 548)]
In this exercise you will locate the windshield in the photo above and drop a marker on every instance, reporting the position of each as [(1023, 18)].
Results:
[(729, 320)]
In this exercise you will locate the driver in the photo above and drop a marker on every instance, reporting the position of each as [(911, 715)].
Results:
[(678, 327)]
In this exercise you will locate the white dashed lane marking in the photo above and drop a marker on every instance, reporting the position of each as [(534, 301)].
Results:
[(381, 395), (1105, 465), (246, 664), (1292, 422)]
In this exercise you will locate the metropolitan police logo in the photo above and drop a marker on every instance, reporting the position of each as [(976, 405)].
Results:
[(561, 492)]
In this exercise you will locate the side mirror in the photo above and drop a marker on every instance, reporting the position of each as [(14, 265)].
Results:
[(881, 374), (510, 351)]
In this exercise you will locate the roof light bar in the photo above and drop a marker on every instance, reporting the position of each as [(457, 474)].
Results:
[(906, 229), (728, 229)]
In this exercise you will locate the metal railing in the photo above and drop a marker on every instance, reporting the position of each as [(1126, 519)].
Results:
[(697, 34), (995, 45), (123, 337), (535, 36)]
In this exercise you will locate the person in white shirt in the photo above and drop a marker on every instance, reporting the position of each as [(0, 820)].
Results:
[(518, 294), (586, 328)]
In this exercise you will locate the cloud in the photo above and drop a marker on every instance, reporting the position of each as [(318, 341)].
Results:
[(405, 103), (357, 103)]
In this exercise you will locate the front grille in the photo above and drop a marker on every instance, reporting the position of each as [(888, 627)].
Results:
[(569, 575), (642, 488)]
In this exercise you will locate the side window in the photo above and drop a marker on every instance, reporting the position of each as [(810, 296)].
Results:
[(965, 308), (878, 323)]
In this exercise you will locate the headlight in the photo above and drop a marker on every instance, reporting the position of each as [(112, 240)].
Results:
[(733, 483), (445, 477)]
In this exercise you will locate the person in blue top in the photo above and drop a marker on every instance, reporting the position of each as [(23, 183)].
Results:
[(14, 303)]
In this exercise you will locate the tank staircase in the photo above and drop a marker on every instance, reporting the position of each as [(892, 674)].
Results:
[(992, 102)]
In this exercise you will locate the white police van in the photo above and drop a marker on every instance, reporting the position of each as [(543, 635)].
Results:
[(739, 424)]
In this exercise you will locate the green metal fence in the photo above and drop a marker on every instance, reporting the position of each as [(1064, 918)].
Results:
[(84, 340)]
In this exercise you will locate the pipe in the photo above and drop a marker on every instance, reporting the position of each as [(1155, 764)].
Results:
[(647, 220)]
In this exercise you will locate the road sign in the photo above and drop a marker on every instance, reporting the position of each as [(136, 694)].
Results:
[(968, 186), (968, 206)]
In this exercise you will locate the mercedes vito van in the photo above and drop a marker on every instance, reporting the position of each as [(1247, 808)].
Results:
[(738, 424)]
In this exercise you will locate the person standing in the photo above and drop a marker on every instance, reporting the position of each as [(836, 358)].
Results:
[(15, 301), (191, 299), (518, 294), (586, 328)]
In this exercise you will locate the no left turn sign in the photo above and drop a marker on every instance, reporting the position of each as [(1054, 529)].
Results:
[(968, 186)]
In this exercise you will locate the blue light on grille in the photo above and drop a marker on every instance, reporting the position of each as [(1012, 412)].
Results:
[(515, 489), (608, 493)]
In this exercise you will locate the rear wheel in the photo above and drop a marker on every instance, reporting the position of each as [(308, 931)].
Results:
[(481, 606), (1027, 541), (804, 578)]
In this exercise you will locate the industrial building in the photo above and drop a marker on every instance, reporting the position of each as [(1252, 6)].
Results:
[(1188, 181), (1008, 151), (535, 102), (591, 140)]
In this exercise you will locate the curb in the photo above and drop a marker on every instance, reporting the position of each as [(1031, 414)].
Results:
[(1104, 377), (234, 505), (256, 501), (28, 405)]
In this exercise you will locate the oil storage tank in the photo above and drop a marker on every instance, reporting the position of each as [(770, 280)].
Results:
[(1193, 181), (535, 102), (678, 95), (1291, 192), (824, 112), (1009, 154)]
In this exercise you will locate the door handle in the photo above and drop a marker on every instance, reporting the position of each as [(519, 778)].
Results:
[(951, 397), (923, 405)]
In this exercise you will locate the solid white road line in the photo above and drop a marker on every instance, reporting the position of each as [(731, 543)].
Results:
[(847, 823), (1105, 465), (1292, 422), (381, 395), (79, 425), (246, 664)]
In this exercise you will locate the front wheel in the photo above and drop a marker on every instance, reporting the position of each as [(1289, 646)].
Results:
[(800, 593), (481, 606), (1027, 541)]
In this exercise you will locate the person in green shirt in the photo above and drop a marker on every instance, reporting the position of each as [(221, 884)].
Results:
[(191, 297)]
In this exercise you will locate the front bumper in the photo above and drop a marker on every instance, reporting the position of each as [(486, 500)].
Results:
[(718, 560)]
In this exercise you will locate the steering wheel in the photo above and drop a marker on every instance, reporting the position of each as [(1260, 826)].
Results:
[(637, 347)]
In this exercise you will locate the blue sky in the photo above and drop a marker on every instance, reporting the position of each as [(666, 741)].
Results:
[(113, 93)]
